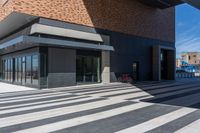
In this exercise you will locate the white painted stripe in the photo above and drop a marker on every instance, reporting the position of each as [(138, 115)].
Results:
[(194, 127), (40, 102), (102, 91), (86, 119), (35, 98), (158, 121), (131, 95), (15, 94), (12, 120), (139, 99), (44, 105), (29, 96), (115, 92), (86, 87)]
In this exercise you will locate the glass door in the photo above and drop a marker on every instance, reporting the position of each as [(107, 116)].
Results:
[(136, 71), (164, 69), (87, 68)]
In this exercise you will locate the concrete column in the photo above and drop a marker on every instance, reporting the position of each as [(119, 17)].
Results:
[(105, 65), (1, 71), (156, 63)]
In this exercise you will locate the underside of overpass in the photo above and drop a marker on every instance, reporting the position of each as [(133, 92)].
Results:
[(170, 3)]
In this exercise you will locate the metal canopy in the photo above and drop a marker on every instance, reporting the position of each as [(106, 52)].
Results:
[(13, 22), (54, 42)]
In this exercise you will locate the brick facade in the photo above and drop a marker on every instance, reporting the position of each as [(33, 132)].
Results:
[(126, 16)]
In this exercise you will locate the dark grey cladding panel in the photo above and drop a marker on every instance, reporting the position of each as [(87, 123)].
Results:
[(61, 60), (129, 49), (54, 42), (61, 79)]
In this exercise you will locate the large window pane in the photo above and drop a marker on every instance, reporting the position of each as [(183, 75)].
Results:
[(9, 69), (3, 67), (23, 70), (16, 69), (19, 70), (28, 69), (35, 68), (6, 70)]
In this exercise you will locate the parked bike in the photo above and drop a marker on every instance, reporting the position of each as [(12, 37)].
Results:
[(125, 78)]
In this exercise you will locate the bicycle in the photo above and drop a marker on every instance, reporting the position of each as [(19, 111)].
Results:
[(125, 78)]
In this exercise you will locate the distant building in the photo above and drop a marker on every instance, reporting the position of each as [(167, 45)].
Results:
[(191, 57), (178, 63)]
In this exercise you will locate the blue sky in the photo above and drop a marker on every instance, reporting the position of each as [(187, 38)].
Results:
[(187, 29)]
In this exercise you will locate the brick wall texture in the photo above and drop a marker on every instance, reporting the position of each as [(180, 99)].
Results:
[(126, 16)]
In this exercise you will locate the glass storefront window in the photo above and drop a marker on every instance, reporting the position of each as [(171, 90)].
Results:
[(16, 70), (23, 70), (19, 79), (8, 70), (35, 68), (28, 70)]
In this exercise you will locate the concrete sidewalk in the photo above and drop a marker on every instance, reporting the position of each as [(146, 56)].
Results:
[(5, 88)]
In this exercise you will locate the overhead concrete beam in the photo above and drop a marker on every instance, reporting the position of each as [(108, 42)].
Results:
[(195, 3)]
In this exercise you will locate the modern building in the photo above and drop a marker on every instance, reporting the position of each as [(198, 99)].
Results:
[(55, 43), (191, 57)]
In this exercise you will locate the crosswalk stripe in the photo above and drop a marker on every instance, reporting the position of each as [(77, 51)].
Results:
[(87, 88), (41, 102), (54, 112), (172, 93), (106, 90), (85, 119), (191, 128), (26, 97), (184, 101), (44, 105), (127, 96), (35, 98), (160, 86), (159, 121), (106, 94), (26, 93), (169, 90)]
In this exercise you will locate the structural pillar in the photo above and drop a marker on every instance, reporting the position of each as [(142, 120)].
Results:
[(171, 57), (156, 63), (105, 66)]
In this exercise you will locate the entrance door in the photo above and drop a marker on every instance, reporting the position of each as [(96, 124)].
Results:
[(136, 71), (164, 69), (87, 67)]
